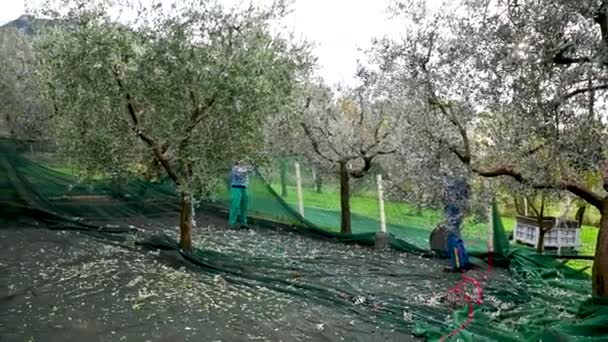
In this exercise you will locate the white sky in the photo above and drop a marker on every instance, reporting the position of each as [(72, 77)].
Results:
[(338, 27)]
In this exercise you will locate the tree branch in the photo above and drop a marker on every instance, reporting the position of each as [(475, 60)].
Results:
[(531, 204), (450, 147), (377, 139), (601, 18), (462, 157), (156, 149), (604, 174), (326, 133), (315, 144), (573, 187), (367, 164), (361, 110), (127, 95), (533, 150), (542, 206), (434, 101), (379, 153), (154, 146), (591, 106), (560, 59), (584, 90), (197, 113)]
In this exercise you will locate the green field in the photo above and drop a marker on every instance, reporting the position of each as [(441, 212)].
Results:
[(403, 214)]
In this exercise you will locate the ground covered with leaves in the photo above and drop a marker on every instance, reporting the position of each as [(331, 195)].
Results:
[(249, 285)]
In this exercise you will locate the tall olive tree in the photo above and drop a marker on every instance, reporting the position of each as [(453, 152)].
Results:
[(510, 89), (188, 87), (347, 134)]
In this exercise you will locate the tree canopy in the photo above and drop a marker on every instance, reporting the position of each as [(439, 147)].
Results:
[(187, 88), (21, 112), (507, 88)]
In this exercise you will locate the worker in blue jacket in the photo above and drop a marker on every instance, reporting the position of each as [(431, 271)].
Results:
[(456, 196)]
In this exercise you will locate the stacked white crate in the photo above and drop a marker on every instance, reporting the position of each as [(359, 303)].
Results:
[(566, 234)]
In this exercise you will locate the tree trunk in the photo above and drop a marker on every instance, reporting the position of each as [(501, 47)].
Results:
[(318, 183), (345, 226), (517, 205), (580, 214), (283, 178), (541, 238), (185, 223), (541, 227), (600, 263)]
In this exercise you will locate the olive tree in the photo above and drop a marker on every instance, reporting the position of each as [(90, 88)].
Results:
[(22, 113), (187, 87), (510, 89), (285, 141), (347, 134)]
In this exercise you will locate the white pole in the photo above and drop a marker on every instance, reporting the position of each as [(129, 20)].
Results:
[(491, 230), (381, 205), (314, 178), (299, 189), (193, 212), (559, 241), (564, 209), (525, 206)]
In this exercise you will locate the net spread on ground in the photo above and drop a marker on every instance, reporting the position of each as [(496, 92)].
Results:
[(100, 260)]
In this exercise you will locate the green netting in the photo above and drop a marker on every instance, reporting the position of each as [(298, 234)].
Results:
[(410, 229), (544, 281), (540, 300)]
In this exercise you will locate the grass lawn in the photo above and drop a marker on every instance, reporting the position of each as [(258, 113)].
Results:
[(398, 213)]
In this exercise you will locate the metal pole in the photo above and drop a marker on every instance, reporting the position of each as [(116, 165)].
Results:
[(381, 205), (299, 189)]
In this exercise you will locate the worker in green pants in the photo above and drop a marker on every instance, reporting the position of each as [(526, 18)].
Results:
[(238, 194)]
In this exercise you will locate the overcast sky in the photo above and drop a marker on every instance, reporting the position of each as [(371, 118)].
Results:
[(338, 27)]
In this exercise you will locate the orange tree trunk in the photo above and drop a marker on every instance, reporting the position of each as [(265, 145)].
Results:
[(185, 223), (345, 226), (600, 263)]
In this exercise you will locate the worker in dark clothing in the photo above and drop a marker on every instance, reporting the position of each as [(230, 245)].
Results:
[(456, 195)]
